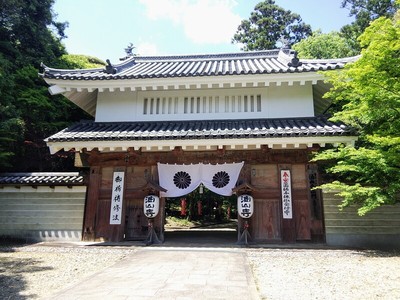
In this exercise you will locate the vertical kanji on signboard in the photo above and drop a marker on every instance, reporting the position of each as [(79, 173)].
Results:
[(286, 194), (117, 198)]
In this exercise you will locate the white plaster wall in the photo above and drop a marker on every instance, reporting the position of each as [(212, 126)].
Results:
[(116, 106), (42, 213), (276, 102), (290, 101)]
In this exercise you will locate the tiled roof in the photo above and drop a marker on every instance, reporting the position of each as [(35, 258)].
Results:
[(243, 63), (52, 179), (201, 129)]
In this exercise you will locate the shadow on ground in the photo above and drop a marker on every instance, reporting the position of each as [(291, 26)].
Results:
[(200, 238), (12, 270)]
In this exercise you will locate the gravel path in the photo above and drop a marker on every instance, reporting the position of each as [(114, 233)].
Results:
[(38, 271), (326, 274), (34, 272)]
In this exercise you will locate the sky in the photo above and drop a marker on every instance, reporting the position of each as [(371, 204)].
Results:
[(104, 28)]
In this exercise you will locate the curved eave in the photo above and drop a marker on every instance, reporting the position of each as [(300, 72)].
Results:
[(203, 144), (175, 83)]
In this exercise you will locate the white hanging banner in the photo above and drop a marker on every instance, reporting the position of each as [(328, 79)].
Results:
[(286, 190), (221, 178), (117, 198), (180, 180)]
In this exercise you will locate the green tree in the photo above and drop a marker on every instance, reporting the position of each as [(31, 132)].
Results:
[(77, 61), (364, 12), (369, 10), (29, 35), (268, 24), (368, 91), (320, 45), (6, 111)]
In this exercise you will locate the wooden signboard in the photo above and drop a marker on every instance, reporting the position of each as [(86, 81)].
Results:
[(117, 198), (287, 210)]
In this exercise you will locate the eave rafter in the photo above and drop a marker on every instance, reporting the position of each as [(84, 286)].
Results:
[(202, 145), (183, 83)]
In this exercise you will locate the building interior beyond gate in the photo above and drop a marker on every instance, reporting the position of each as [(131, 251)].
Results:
[(201, 217)]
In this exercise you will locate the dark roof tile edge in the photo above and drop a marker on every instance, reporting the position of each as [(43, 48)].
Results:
[(202, 129), (42, 179)]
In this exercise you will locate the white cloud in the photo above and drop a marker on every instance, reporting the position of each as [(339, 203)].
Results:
[(203, 21), (146, 49), (167, 9)]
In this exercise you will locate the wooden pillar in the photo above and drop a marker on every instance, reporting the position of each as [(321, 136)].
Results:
[(162, 218), (288, 231), (91, 204)]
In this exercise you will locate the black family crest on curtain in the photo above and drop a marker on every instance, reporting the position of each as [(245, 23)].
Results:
[(180, 180), (220, 179)]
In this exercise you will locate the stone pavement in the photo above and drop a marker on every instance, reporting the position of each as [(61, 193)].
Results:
[(171, 273)]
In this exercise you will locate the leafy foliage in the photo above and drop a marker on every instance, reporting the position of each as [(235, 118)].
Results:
[(76, 61), (370, 9), (320, 45), (30, 35), (345, 43), (369, 93), (268, 24), (364, 11)]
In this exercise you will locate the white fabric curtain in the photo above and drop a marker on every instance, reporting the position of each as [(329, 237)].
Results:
[(221, 179), (180, 180)]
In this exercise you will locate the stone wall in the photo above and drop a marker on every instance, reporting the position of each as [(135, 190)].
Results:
[(378, 229)]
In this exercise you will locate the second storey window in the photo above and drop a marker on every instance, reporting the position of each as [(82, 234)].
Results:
[(245, 103)]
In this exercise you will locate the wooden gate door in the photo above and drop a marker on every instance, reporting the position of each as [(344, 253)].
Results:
[(298, 228), (136, 226), (103, 228), (266, 220)]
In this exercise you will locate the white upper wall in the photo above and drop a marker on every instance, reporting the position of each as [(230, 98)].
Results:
[(274, 101), (290, 101)]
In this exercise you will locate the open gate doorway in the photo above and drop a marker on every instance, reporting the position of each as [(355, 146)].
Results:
[(201, 217)]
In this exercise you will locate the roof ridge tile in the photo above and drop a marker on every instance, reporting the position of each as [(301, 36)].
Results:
[(256, 62)]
